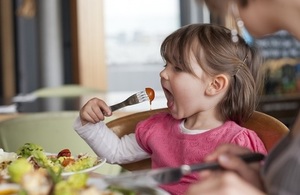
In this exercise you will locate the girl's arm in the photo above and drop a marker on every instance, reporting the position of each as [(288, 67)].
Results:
[(105, 143)]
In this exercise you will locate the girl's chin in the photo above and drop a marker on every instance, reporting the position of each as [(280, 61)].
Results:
[(175, 115), (173, 111)]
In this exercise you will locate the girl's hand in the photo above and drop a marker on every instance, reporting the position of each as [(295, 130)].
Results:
[(94, 111), (226, 156), (223, 183)]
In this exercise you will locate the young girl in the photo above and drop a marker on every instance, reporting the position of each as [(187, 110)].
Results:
[(281, 171), (211, 86)]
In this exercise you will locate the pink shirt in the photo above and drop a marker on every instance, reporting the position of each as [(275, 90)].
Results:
[(160, 136)]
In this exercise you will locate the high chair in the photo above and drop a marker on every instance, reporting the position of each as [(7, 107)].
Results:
[(269, 129)]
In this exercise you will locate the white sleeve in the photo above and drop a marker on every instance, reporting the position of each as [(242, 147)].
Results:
[(105, 143)]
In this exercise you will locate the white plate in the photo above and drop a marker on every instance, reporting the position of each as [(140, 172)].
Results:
[(101, 162), (64, 174)]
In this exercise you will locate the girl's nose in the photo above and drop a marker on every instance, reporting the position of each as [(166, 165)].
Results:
[(163, 74)]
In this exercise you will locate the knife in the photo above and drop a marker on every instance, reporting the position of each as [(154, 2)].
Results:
[(154, 177)]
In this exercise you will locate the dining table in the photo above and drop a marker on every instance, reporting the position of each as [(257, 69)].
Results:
[(9, 108)]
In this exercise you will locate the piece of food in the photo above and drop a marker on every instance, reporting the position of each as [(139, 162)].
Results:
[(63, 188), (72, 185), (77, 184), (40, 173), (151, 94), (27, 149), (37, 182), (78, 181), (39, 159), (18, 169), (64, 152), (63, 161), (67, 161), (81, 163), (6, 158)]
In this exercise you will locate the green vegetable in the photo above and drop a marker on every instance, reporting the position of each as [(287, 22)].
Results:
[(82, 163), (55, 175), (63, 188), (72, 185), (27, 149), (22, 192), (18, 168), (78, 181)]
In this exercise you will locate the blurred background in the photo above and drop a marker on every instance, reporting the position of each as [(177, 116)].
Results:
[(113, 46), (103, 44)]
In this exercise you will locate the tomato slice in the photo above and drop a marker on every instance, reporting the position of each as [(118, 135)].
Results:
[(67, 161), (64, 152), (151, 94)]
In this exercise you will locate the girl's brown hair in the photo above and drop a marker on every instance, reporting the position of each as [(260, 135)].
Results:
[(239, 61)]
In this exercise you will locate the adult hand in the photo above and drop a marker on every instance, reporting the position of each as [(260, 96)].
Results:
[(223, 183), (227, 156)]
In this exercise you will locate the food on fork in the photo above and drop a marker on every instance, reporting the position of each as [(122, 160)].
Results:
[(151, 94), (136, 98)]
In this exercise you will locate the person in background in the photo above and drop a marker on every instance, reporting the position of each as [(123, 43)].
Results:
[(211, 86), (281, 171), (260, 17)]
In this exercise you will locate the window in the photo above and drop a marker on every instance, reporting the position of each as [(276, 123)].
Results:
[(134, 31)]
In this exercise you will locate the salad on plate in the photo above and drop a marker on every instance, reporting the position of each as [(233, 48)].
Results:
[(62, 161), (32, 171)]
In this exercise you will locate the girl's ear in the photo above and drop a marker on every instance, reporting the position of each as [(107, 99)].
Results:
[(217, 85)]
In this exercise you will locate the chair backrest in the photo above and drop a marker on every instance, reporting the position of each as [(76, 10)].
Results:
[(126, 125), (269, 129), (51, 130)]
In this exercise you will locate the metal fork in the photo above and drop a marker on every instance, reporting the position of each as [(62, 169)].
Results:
[(154, 177), (139, 97)]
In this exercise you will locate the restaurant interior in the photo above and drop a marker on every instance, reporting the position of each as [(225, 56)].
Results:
[(56, 55)]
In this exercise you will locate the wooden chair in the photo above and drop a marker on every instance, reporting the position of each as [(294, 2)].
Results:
[(269, 129)]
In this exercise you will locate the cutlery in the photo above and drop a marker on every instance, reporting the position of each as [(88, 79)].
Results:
[(168, 175), (136, 98)]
